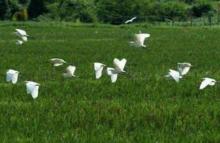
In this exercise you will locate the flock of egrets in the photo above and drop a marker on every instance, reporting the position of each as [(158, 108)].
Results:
[(113, 72)]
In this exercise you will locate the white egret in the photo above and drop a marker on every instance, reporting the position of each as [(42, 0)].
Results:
[(32, 88), (139, 39), (174, 74), (12, 76), (130, 20), (207, 82), (119, 64), (183, 68), (57, 62), (98, 67), (70, 72)]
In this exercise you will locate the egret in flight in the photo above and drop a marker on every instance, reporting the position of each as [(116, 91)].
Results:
[(130, 20), (12, 76), (98, 67), (183, 68), (174, 74), (118, 68), (32, 88), (207, 82), (139, 39), (70, 72), (22, 34), (57, 62)]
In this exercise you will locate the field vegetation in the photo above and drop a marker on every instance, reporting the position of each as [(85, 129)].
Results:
[(142, 106)]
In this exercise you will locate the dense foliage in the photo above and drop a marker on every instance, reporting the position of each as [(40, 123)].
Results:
[(107, 11)]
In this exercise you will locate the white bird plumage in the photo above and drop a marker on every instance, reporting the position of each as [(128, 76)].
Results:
[(130, 20), (183, 68), (70, 72), (112, 73), (119, 66), (98, 67), (12, 76), (19, 42), (139, 39), (57, 62), (174, 74), (32, 88), (207, 82), (22, 34), (24, 38)]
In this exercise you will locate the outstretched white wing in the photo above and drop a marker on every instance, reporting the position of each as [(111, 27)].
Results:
[(98, 67), (184, 68), (119, 64), (9, 77), (204, 84), (113, 74), (71, 70), (175, 75), (21, 32), (35, 91), (130, 20), (14, 78), (24, 38), (57, 62)]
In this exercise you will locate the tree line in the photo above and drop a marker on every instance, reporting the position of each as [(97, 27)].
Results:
[(107, 11)]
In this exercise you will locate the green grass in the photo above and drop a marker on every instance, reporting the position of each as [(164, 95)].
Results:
[(145, 107)]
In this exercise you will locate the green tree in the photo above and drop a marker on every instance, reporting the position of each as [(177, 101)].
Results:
[(115, 11)]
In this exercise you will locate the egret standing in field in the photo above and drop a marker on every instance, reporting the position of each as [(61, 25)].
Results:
[(32, 88), (12, 76), (98, 67), (57, 62), (207, 82), (70, 72), (130, 20), (118, 68), (139, 39), (183, 68)]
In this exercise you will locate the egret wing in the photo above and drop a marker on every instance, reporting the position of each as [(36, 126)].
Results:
[(175, 75), (98, 70), (21, 32), (71, 70), (204, 84), (35, 91), (9, 77), (114, 78), (113, 74), (14, 78), (119, 65)]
